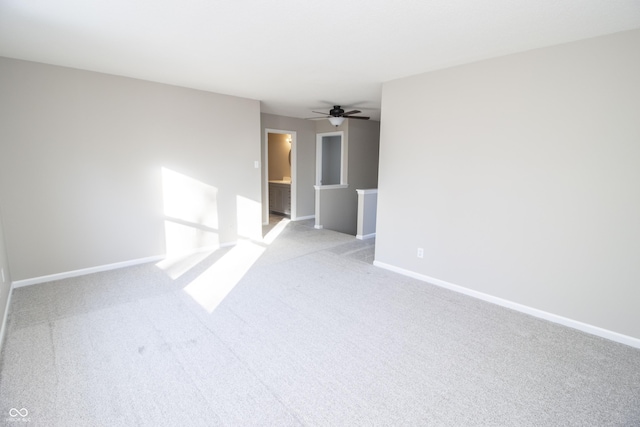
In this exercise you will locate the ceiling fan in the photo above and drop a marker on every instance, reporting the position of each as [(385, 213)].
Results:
[(337, 115)]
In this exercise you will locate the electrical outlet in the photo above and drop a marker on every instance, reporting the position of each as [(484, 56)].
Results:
[(420, 253), (256, 164)]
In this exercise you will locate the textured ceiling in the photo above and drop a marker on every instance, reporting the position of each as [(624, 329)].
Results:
[(294, 56)]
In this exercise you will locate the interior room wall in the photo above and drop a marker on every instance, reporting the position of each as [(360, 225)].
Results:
[(518, 176), (279, 149), (364, 153), (339, 207), (305, 157), (97, 169)]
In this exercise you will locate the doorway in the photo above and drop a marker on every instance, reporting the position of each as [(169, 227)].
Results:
[(279, 177)]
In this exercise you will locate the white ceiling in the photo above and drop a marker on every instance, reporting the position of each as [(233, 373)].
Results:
[(294, 55)]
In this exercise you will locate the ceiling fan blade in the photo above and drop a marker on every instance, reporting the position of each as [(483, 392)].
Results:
[(351, 112), (320, 112), (317, 118), (357, 117)]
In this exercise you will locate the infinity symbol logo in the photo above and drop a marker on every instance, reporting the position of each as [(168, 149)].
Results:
[(13, 412)]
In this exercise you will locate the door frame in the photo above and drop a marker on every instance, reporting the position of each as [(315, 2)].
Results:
[(265, 175)]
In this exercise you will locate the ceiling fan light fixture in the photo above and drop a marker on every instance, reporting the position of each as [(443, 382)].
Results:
[(336, 121)]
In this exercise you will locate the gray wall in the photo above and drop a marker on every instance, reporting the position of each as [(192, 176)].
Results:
[(331, 160), (339, 207), (306, 159), (367, 212), (519, 178), (364, 151), (81, 168)]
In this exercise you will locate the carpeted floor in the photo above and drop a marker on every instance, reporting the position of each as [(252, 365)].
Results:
[(311, 334)]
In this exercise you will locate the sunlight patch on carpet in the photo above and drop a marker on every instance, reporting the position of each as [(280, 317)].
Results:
[(211, 287), (215, 283), (177, 265)]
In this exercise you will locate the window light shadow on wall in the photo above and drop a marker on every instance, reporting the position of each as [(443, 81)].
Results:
[(191, 223)]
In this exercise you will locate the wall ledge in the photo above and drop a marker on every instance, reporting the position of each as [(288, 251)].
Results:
[(366, 236), (331, 187), (584, 327), (367, 191)]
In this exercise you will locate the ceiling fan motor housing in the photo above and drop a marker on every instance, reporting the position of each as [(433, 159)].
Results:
[(336, 111)]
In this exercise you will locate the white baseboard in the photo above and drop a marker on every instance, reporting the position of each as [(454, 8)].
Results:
[(107, 267), (319, 227), (584, 327), (366, 236), (83, 271), (303, 218)]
